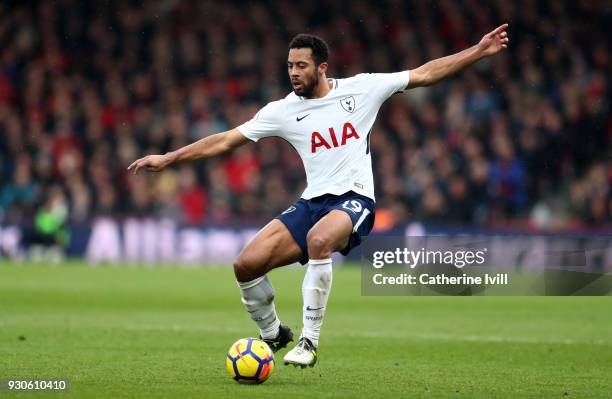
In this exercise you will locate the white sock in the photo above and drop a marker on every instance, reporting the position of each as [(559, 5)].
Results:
[(315, 291), (258, 298)]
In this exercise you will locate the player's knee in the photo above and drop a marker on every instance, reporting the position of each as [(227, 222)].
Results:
[(319, 246), (247, 268)]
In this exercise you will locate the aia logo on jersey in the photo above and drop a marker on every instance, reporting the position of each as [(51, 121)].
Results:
[(348, 103), (317, 140)]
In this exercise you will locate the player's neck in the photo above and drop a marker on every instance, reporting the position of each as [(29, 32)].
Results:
[(322, 88)]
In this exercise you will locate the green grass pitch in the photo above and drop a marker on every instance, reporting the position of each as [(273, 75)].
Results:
[(162, 332)]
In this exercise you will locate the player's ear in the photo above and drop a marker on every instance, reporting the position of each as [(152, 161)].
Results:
[(323, 68)]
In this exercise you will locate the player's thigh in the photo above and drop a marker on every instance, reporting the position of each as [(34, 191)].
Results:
[(273, 246), (331, 232)]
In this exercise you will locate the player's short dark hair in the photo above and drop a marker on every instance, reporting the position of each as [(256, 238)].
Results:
[(320, 51)]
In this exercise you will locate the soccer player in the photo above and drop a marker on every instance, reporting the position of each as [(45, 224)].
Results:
[(328, 122)]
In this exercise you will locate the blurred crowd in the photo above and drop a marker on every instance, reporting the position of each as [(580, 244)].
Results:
[(522, 140)]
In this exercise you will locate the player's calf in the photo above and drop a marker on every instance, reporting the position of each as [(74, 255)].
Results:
[(257, 295), (258, 299), (329, 234)]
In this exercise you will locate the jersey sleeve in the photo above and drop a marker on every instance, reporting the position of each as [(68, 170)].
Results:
[(265, 123), (384, 85)]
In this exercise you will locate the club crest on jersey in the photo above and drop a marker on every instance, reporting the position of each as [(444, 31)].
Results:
[(348, 103), (319, 140)]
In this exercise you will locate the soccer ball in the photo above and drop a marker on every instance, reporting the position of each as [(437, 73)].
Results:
[(250, 361)]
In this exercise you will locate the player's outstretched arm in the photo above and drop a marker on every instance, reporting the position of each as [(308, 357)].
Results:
[(207, 147), (438, 69)]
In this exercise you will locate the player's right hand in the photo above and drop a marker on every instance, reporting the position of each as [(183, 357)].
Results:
[(153, 163)]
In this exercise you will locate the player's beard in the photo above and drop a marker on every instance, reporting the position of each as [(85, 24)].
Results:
[(308, 90)]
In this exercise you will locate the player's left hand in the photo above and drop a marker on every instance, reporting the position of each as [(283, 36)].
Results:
[(494, 41), (153, 163)]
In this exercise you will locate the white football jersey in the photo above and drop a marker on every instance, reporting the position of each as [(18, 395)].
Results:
[(332, 133)]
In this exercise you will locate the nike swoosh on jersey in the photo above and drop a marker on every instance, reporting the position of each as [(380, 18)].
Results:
[(297, 118)]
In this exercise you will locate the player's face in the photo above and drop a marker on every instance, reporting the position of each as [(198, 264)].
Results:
[(303, 72)]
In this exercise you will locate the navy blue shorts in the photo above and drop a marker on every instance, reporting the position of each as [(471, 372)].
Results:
[(303, 214)]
